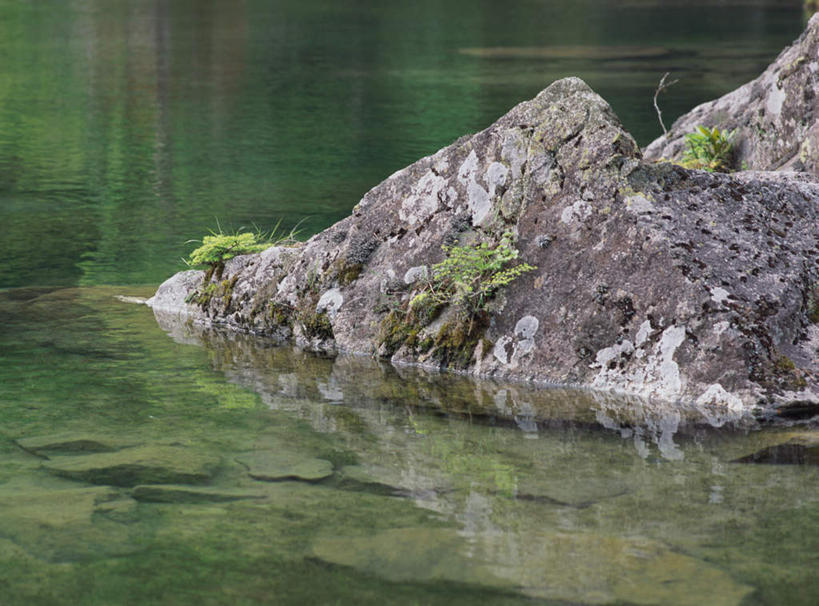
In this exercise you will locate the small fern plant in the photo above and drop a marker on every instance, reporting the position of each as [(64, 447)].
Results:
[(708, 149), (219, 247), (470, 275)]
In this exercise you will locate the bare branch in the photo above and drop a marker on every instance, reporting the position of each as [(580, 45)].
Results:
[(660, 88)]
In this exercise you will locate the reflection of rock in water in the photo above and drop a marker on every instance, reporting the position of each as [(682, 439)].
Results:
[(281, 374), (647, 423), (562, 517)]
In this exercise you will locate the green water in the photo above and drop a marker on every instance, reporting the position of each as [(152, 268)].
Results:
[(409, 488), (128, 128)]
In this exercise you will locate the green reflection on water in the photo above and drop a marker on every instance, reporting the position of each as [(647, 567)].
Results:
[(128, 127), (443, 490)]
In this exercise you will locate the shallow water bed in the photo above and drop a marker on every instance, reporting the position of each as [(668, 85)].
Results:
[(142, 465)]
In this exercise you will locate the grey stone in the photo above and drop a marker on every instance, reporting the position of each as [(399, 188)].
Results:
[(658, 282), (775, 117)]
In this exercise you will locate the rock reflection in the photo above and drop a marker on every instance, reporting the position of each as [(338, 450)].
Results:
[(281, 374), (616, 501)]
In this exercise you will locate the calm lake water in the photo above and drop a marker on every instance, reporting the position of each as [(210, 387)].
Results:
[(145, 461)]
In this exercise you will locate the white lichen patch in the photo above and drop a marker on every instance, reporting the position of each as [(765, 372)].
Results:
[(496, 175), (639, 204), (719, 295), (579, 211), (423, 200), (383, 286), (500, 352), (643, 333), (468, 169), (509, 350), (513, 152), (330, 302), (721, 327), (451, 197), (414, 274), (655, 373), (606, 355), (775, 100), (716, 395), (479, 198), (668, 372)]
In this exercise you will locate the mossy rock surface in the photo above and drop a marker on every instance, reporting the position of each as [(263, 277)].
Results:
[(273, 466), (177, 493), (140, 465), (73, 443)]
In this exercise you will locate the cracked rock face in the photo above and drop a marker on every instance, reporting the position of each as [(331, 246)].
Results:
[(652, 280), (775, 117)]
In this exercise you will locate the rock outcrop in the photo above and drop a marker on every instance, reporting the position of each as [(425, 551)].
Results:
[(775, 118), (651, 279)]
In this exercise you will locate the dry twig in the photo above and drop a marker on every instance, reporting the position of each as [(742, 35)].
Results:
[(660, 88)]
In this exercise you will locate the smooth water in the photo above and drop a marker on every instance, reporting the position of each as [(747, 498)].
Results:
[(128, 128), (145, 461), (394, 485)]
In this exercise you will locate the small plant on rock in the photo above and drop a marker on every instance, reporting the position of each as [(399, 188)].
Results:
[(708, 149), (470, 275), (466, 279), (219, 247)]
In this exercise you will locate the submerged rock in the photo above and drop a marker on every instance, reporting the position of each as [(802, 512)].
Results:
[(651, 280), (800, 448), (47, 521), (72, 443), (584, 568), (270, 466), (140, 465), (775, 118), (170, 493)]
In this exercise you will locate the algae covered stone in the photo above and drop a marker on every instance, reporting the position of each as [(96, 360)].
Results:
[(64, 524), (796, 448), (139, 465), (272, 466), (73, 443), (576, 568), (175, 493)]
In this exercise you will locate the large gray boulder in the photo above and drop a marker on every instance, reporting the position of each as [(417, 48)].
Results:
[(652, 280), (775, 118)]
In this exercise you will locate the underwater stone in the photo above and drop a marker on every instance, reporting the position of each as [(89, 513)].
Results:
[(271, 466), (139, 465), (175, 493), (576, 568), (47, 521), (800, 448), (73, 443)]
